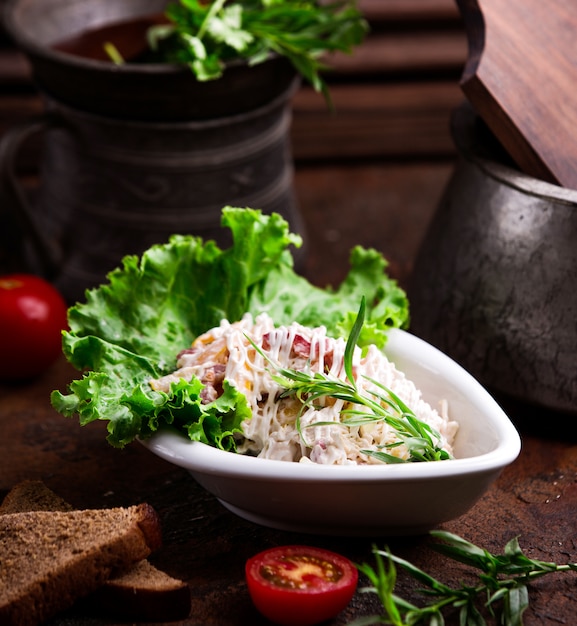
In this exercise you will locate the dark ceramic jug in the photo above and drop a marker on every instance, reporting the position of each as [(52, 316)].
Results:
[(495, 282), (134, 153)]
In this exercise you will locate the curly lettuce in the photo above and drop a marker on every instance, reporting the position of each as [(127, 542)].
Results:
[(130, 329)]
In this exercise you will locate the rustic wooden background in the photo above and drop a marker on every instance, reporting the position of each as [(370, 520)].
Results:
[(386, 148)]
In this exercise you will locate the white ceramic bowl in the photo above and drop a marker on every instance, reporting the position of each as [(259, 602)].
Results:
[(366, 500)]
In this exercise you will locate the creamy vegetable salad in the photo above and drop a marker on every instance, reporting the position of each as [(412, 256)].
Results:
[(230, 352)]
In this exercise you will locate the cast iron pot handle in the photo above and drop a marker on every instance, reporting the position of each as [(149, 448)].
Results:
[(49, 251)]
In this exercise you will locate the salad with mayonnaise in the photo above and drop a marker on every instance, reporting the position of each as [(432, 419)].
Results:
[(127, 336), (281, 427)]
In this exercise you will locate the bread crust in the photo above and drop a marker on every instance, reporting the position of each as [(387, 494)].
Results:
[(149, 524), (32, 495), (50, 559), (142, 593)]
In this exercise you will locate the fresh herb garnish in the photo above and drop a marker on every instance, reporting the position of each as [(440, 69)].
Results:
[(207, 35), (378, 405), (501, 590)]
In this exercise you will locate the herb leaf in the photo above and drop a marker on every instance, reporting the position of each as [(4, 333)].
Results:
[(352, 342), (383, 405), (302, 31), (502, 580)]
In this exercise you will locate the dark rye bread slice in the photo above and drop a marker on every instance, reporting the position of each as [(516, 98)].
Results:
[(143, 593), (49, 559), (32, 495)]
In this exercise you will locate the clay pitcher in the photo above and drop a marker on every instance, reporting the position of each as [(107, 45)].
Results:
[(132, 154)]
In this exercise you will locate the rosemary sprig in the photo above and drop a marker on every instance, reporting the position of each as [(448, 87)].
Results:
[(501, 592), (372, 405)]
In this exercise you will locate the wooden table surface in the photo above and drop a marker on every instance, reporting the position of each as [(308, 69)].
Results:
[(535, 498)]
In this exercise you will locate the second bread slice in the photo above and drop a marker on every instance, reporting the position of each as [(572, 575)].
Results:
[(143, 593), (49, 559)]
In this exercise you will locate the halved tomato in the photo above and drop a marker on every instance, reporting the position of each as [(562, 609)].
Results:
[(300, 585)]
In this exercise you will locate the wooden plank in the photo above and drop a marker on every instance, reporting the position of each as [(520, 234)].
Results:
[(404, 52), (375, 121), (521, 80), (414, 10), (411, 10)]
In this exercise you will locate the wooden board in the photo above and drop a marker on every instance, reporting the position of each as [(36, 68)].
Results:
[(520, 77), (387, 121)]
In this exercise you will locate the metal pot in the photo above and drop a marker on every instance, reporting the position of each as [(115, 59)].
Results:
[(495, 281)]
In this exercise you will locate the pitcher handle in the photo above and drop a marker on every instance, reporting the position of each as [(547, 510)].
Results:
[(48, 251)]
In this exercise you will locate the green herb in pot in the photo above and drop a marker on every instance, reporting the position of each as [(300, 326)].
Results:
[(206, 36)]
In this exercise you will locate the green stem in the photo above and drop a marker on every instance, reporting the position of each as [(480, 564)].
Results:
[(214, 9)]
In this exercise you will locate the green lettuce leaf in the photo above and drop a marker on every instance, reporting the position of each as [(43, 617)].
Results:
[(130, 329)]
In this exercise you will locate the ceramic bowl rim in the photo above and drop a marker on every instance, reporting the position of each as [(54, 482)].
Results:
[(200, 458)]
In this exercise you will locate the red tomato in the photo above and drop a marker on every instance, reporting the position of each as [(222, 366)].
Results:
[(300, 585), (32, 316)]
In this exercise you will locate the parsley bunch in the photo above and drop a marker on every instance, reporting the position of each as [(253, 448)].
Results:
[(207, 35)]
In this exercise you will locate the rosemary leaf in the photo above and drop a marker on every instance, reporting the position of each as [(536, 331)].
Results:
[(502, 588), (352, 342), (361, 408)]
